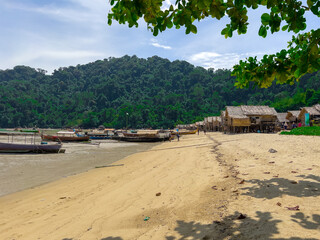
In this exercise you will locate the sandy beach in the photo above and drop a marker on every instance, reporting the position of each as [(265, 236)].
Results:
[(213, 186)]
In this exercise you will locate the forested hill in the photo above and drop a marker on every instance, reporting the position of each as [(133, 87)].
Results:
[(154, 92)]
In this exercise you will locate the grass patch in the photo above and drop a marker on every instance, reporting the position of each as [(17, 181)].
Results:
[(310, 131)]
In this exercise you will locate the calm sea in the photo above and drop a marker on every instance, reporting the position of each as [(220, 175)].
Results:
[(23, 171)]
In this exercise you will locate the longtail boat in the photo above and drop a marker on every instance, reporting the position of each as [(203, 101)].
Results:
[(184, 132), (142, 137), (30, 148), (65, 136)]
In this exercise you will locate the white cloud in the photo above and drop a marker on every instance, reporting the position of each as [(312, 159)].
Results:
[(220, 60), (204, 56), (156, 44)]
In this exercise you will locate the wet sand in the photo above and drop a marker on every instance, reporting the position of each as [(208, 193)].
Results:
[(23, 171), (214, 186)]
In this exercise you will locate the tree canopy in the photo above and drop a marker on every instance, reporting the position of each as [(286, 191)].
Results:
[(154, 92), (286, 66)]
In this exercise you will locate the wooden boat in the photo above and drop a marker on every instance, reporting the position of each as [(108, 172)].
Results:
[(30, 148), (65, 136), (99, 135), (145, 137), (184, 132)]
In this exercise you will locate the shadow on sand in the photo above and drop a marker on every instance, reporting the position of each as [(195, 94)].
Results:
[(239, 227), (112, 238), (277, 187)]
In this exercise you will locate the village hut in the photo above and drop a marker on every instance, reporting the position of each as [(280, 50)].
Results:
[(210, 124), (200, 125), (262, 118), (219, 123), (314, 114), (292, 117), (206, 123), (216, 124), (281, 120), (191, 126), (250, 119), (223, 121), (235, 120)]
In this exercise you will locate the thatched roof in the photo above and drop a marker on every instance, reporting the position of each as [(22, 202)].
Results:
[(258, 110), (200, 123), (282, 117), (245, 111), (311, 110), (235, 112), (293, 113), (210, 119), (314, 110), (317, 107)]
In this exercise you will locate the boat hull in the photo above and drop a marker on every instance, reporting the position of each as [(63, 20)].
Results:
[(140, 139), (144, 137), (64, 138), (30, 148), (184, 132)]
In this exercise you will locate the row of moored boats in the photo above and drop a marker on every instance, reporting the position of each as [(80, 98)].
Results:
[(46, 145)]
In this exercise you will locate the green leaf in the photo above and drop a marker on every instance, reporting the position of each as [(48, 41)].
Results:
[(285, 27), (263, 31), (193, 29), (169, 24), (275, 9), (155, 31), (265, 18), (224, 31)]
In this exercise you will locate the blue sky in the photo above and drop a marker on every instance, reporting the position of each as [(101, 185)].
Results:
[(50, 34)]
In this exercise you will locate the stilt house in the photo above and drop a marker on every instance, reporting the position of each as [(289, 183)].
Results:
[(250, 119), (281, 120), (235, 120), (314, 114), (292, 117)]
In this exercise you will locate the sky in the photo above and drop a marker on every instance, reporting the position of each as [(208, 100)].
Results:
[(50, 34)]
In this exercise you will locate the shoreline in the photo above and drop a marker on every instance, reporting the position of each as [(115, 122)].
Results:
[(212, 186), (22, 171)]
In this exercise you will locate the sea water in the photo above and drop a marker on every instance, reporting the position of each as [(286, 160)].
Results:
[(23, 171)]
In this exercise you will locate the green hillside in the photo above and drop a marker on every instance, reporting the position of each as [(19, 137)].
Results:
[(154, 92)]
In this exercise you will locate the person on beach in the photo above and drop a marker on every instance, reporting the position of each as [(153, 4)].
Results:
[(178, 136), (285, 126), (294, 125), (198, 131)]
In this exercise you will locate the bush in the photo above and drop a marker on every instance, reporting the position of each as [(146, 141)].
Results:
[(312, 131)]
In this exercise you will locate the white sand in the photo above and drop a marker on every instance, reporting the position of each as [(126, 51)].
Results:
[(201, 195)]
